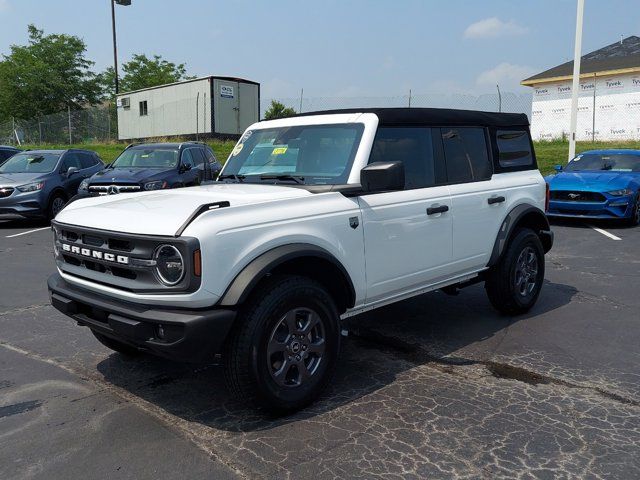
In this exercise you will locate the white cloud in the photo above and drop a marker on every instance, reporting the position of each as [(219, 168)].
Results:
[(505, 74), (4, 6), (494, 27)]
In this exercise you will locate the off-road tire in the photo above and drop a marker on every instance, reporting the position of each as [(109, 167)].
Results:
[(502, 286), (249, 369), (117, 346)]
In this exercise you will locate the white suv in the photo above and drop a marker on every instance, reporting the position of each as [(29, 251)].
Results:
[(314, 218)]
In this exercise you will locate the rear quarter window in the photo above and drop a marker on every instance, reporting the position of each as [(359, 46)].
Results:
[(514, 149)]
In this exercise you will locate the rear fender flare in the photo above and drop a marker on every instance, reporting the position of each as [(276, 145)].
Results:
[(525, 215)]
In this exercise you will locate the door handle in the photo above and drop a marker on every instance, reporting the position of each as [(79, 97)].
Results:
[(439, 209), (493, 200)]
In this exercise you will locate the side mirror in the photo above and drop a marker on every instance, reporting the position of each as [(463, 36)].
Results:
[(185, 167), (557, 168), (72, 171), (382, 177)]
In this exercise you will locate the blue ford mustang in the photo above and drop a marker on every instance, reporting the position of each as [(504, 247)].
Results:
[(597, 184)]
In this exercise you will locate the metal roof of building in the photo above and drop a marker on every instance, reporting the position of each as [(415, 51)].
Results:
[(620, 57)]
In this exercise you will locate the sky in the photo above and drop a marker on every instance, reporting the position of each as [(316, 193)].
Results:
[(335, 48)]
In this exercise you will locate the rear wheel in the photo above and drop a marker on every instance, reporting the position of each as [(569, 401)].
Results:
[(513, 285), (117, 346), (283, 352), (634, 220), (56, 204)]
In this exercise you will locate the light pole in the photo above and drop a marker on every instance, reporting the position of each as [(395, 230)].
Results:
[(576, 80), (115, 43)]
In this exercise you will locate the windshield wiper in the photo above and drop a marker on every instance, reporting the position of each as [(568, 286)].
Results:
[(283, 176), (237, 178)]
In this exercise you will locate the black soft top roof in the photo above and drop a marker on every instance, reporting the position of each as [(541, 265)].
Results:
[(436, 117)]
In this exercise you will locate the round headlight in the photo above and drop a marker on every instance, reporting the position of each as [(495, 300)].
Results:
[(169, 264)]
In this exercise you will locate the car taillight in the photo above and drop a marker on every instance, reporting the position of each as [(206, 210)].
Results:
[(547, 196)]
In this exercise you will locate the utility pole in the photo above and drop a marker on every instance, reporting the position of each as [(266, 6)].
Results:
[(499, 99), (576, 80), (115, 42)]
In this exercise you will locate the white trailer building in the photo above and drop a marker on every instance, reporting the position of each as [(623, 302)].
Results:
[(209, 106), (609, 97)]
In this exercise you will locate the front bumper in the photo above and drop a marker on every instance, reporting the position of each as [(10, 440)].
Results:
[(188, 335), (28, 204), (613, 207)]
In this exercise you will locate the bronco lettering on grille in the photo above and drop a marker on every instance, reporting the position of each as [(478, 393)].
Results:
[(86, 252)]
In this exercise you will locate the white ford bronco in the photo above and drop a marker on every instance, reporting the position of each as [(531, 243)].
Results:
[(313, 219)]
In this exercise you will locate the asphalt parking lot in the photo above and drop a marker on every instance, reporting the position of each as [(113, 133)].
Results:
[(434, 387)]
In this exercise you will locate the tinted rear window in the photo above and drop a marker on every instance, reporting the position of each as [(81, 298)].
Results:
[(514, 148)]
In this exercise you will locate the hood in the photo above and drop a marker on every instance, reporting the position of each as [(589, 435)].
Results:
[(164, 212), (17, 179), (127, 175), (591, 181)]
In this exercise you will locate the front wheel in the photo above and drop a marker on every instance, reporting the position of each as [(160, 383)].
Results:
[(634, 219), (56, 204), (284, 350), (514, 283)]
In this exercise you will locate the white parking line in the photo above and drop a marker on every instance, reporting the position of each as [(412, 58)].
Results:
[(28, 231), (605, 233)]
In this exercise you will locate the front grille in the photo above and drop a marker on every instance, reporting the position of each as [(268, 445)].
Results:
[(113, 189), (5, 192), (124, 261), (577, 196)]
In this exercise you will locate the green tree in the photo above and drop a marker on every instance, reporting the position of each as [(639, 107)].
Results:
[(143, 72), (278, 110), (46, 76)]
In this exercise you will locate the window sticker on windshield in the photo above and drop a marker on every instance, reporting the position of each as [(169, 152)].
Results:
[(145, 155), (577, 158), (279, 151), (237, 149), (246, 136)]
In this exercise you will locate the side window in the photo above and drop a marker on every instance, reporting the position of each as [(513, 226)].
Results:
[(187, 158), (144, 110), (198, 157), (87, 160), (514, 148), (211, 158), (466, 154), (413, 146), (71, 159)]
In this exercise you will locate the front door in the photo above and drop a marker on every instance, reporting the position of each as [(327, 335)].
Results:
[(407, 233)]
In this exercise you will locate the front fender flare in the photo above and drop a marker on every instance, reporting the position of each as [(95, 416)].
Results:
[(258, 268)]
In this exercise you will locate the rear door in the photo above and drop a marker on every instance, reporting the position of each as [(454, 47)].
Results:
[(407, 233), (477, 203)]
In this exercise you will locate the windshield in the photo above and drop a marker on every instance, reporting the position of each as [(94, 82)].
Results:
[(147, 158), (30, 163), (617, 162), (312, 154)]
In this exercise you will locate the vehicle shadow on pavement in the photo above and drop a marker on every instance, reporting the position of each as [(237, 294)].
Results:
[(431, 328), (13, 223)]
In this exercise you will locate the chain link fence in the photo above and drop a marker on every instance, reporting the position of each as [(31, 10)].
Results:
[(99, 124), (89, 125), (505, 102)]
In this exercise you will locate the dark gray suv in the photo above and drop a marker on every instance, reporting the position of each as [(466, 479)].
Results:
[(38, 183)]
